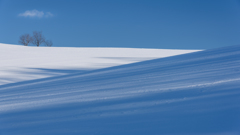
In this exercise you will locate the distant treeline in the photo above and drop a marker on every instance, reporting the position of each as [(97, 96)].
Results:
[(36, 39)]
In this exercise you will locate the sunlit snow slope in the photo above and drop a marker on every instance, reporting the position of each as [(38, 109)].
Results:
[(21, 63), (190, 94)]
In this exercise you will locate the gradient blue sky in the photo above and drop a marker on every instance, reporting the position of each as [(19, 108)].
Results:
[(167, 24)]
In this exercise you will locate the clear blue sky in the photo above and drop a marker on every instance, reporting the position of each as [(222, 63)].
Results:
[(173, 24)]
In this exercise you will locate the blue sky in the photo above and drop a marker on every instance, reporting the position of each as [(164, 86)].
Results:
[(167, 24)]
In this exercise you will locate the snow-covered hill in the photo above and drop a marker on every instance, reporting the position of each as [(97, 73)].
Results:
[(190, 94), (21, 63)]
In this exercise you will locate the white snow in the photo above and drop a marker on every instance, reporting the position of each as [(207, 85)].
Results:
[(21, 63), (190, 94)]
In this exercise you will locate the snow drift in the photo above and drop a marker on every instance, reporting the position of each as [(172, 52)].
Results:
[(196, 93)]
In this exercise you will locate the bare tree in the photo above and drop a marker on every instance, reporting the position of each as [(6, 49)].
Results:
[(48, 43), (25, 39), (38, 38)]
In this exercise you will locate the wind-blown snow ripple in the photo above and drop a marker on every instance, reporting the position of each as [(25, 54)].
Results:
[(196, 93)]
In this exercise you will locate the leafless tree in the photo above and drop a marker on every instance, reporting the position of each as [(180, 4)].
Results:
[(25, 39), (48, 43), (38, 38)]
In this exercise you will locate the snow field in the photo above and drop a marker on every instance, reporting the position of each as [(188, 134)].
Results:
[(196, 93)]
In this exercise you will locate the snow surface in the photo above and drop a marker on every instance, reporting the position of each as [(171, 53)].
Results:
[(191, 94), (21, 63)]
